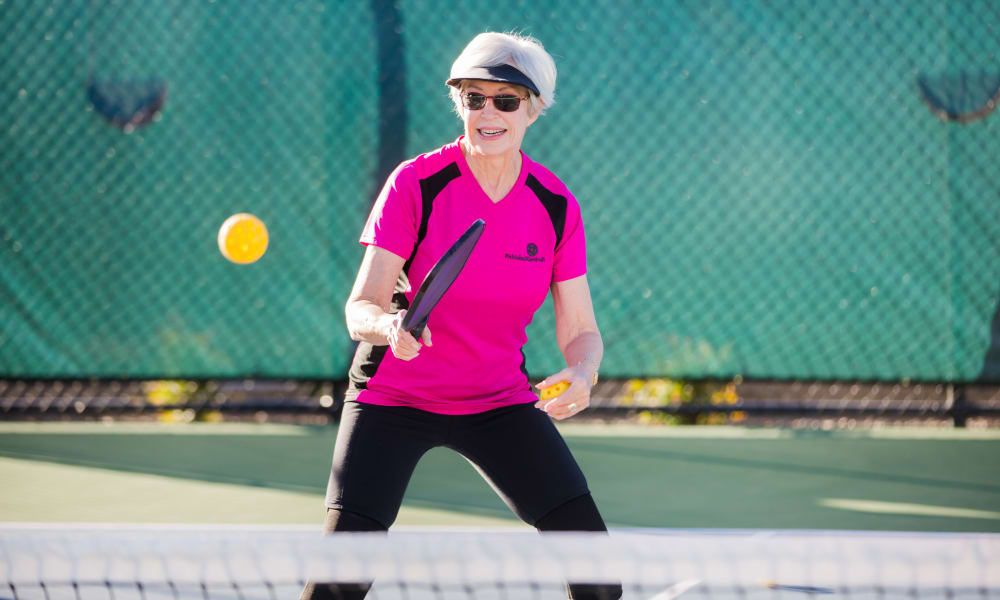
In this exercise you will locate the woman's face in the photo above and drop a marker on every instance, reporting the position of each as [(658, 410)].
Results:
[(491, 132)]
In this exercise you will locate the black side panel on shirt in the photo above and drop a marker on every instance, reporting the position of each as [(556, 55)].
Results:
[(554, 204), (430, 187), (368, 356)]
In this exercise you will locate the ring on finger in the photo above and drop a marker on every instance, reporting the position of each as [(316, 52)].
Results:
[(573, 407)]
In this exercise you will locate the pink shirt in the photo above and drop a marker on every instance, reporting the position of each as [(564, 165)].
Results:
[(476, 362)]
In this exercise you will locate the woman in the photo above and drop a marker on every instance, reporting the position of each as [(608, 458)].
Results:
[(463, 384)]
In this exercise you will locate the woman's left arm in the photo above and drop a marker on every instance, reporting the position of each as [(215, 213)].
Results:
[(581, 345)]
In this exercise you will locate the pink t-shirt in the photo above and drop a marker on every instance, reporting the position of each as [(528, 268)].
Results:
[(533, 238)]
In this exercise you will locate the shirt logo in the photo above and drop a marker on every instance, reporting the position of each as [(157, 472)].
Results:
[(531, 251)]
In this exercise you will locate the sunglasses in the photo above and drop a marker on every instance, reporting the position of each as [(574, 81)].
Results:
[(474, 101)]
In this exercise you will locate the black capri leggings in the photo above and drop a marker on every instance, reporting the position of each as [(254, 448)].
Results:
[(516, 449)]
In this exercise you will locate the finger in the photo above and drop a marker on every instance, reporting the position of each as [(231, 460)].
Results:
[(573, 396), (425, 337), (563, 406), (553, 379), (405, 338), (410, 345), (404, 346), (560, 415), (404, 353), (565, 411), (558, 394)]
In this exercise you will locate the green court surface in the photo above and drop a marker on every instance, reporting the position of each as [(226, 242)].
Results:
[(917, 480)]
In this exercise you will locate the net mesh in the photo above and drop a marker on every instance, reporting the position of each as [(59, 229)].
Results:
[(39, 562), (792, 190)]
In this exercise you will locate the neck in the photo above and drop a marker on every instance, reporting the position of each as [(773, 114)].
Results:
[(496, 174)]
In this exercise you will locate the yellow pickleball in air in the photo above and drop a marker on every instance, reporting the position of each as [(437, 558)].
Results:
[(243, 238)]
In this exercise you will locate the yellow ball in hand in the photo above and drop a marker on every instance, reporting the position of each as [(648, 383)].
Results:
[(243, 238)]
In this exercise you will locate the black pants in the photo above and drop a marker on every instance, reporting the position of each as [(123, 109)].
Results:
[(516, 449)]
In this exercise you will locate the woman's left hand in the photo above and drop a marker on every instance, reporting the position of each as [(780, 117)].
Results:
[(573, 400)]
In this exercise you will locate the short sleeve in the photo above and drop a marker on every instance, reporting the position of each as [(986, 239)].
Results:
[(571, 253), (394, 221)]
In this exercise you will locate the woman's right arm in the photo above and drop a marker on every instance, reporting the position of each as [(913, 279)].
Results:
[(367, 310)]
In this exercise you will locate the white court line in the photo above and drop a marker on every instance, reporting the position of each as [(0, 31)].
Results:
[(907, 508)]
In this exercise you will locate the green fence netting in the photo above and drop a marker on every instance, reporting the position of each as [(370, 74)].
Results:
[(771, 189)]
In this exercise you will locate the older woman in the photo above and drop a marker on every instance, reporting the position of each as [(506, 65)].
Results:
[(463, 384)]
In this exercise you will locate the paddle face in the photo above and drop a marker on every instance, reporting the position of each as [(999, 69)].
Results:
[(440, 278)]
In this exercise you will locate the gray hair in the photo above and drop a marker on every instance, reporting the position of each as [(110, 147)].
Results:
[(491, 49)]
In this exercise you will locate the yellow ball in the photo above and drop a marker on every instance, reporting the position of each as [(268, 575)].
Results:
[(243, 238)]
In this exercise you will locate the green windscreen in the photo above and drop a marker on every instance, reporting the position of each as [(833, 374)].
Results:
[(800, 190)]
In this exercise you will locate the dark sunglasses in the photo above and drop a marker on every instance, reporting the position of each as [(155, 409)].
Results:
[(474, 101)]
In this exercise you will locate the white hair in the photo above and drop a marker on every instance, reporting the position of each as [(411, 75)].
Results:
[(491, 49)]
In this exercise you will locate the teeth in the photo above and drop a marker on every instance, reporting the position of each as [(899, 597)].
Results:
[(491, 131)]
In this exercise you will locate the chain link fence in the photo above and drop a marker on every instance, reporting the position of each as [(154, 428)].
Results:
[(772, 190)]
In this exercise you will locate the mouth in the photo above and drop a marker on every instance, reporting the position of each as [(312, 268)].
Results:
[(490, 134)]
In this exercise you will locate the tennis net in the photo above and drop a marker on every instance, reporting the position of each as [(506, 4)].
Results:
[(154, 562)]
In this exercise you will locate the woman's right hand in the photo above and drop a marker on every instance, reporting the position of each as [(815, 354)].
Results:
[(403, 345)]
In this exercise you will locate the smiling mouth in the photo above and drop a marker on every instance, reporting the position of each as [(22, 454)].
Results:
[(491, 133)]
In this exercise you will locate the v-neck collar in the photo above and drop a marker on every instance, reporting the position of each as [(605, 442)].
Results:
[(465, 169)]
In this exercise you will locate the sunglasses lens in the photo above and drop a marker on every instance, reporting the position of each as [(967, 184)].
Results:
[(506, 103), (475, 101)]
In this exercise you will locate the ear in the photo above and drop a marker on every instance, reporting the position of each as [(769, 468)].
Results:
[(534, 117)]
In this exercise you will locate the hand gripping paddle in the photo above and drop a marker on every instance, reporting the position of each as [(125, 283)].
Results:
[(440, 278)]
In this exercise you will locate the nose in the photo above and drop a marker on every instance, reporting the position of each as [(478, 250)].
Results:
[(489, 106)]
